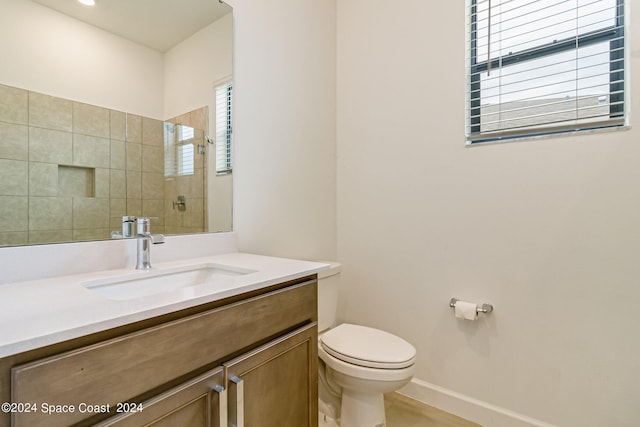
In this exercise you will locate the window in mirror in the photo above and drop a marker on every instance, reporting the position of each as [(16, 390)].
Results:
[(178, 150), (224, 102)]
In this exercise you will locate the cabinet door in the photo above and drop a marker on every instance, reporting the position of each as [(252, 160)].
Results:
[(277, 384), (201, 402)]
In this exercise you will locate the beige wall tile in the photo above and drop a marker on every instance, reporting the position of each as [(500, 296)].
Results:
[(200, 118), (14, 105), (50, 146), (118, 180), (152, 132), (194, 217), (43, 179), (14, 177), (91, 234), (134, 156), (134, 185), (117, 209), (118, 125), (191, 185), (118, 154), (154, 209), (152, 185), (158, 229), (14, 238), (184, 119), (91, 151), (91, 120), (49, 112), (170, 214), (14, 141), (50, 236), (182, 219), (102, 183), (170, 188), (187, 230), (14, 213), (134, 207), (90, 213), (134, 128), (50, 213), (153, 159)]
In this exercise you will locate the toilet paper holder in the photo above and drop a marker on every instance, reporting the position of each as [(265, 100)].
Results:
[(484, 308)]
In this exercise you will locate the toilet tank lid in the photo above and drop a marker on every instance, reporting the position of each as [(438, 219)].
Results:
[(334, 268)]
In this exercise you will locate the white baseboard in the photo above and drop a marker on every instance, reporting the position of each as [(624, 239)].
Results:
[(466, 407)]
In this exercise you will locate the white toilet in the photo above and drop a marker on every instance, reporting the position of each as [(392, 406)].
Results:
[(357, 364)]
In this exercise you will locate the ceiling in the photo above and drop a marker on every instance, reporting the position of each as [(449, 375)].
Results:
[(158, 24)]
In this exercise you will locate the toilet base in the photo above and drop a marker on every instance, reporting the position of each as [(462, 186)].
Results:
[(362, 410)]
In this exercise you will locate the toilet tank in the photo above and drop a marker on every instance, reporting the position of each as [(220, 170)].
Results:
[(328, 289)]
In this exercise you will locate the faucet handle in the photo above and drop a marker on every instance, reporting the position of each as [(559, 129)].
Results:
[(145, 218), (143, 225)]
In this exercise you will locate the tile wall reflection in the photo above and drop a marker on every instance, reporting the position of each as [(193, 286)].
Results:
[(69, 171)]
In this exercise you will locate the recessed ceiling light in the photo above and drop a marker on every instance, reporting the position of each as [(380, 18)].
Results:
[(88, 2)]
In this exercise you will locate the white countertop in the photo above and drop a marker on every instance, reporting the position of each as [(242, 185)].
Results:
[(47, 311)]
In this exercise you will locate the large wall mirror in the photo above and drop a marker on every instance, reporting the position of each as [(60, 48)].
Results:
[(118, 109)]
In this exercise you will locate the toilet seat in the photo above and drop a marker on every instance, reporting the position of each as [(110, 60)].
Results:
[(368, 347)]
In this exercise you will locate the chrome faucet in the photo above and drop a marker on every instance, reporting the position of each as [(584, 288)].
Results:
[(145, 240)]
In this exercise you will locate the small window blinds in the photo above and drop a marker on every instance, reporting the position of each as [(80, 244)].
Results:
[(544, 66), (178, 150), (224, 101)]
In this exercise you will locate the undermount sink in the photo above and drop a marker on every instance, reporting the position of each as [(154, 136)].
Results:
[(144, 283)]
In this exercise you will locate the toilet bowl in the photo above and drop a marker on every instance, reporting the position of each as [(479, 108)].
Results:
[(357, 365)]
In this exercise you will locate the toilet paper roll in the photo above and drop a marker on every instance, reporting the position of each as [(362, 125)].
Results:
[(466, 310)]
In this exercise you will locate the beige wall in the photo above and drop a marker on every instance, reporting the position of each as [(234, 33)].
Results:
[(545, 230), (192, 67)]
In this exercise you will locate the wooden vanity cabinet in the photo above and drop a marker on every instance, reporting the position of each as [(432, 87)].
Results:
[(249, 362), (268, 387)]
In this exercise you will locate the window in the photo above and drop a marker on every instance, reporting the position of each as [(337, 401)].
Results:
[(178, 150), (224, 102), (538, 67)]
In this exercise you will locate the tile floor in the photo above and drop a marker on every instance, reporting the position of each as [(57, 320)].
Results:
[(402, 411)]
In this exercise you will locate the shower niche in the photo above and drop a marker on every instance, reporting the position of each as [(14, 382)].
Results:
[(75, 181)]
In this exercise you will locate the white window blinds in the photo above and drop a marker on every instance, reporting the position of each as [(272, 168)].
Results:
[(544, 66), (224, 101), (179, 154)]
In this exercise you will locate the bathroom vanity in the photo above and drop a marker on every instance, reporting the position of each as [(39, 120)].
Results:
[(243, 355)]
